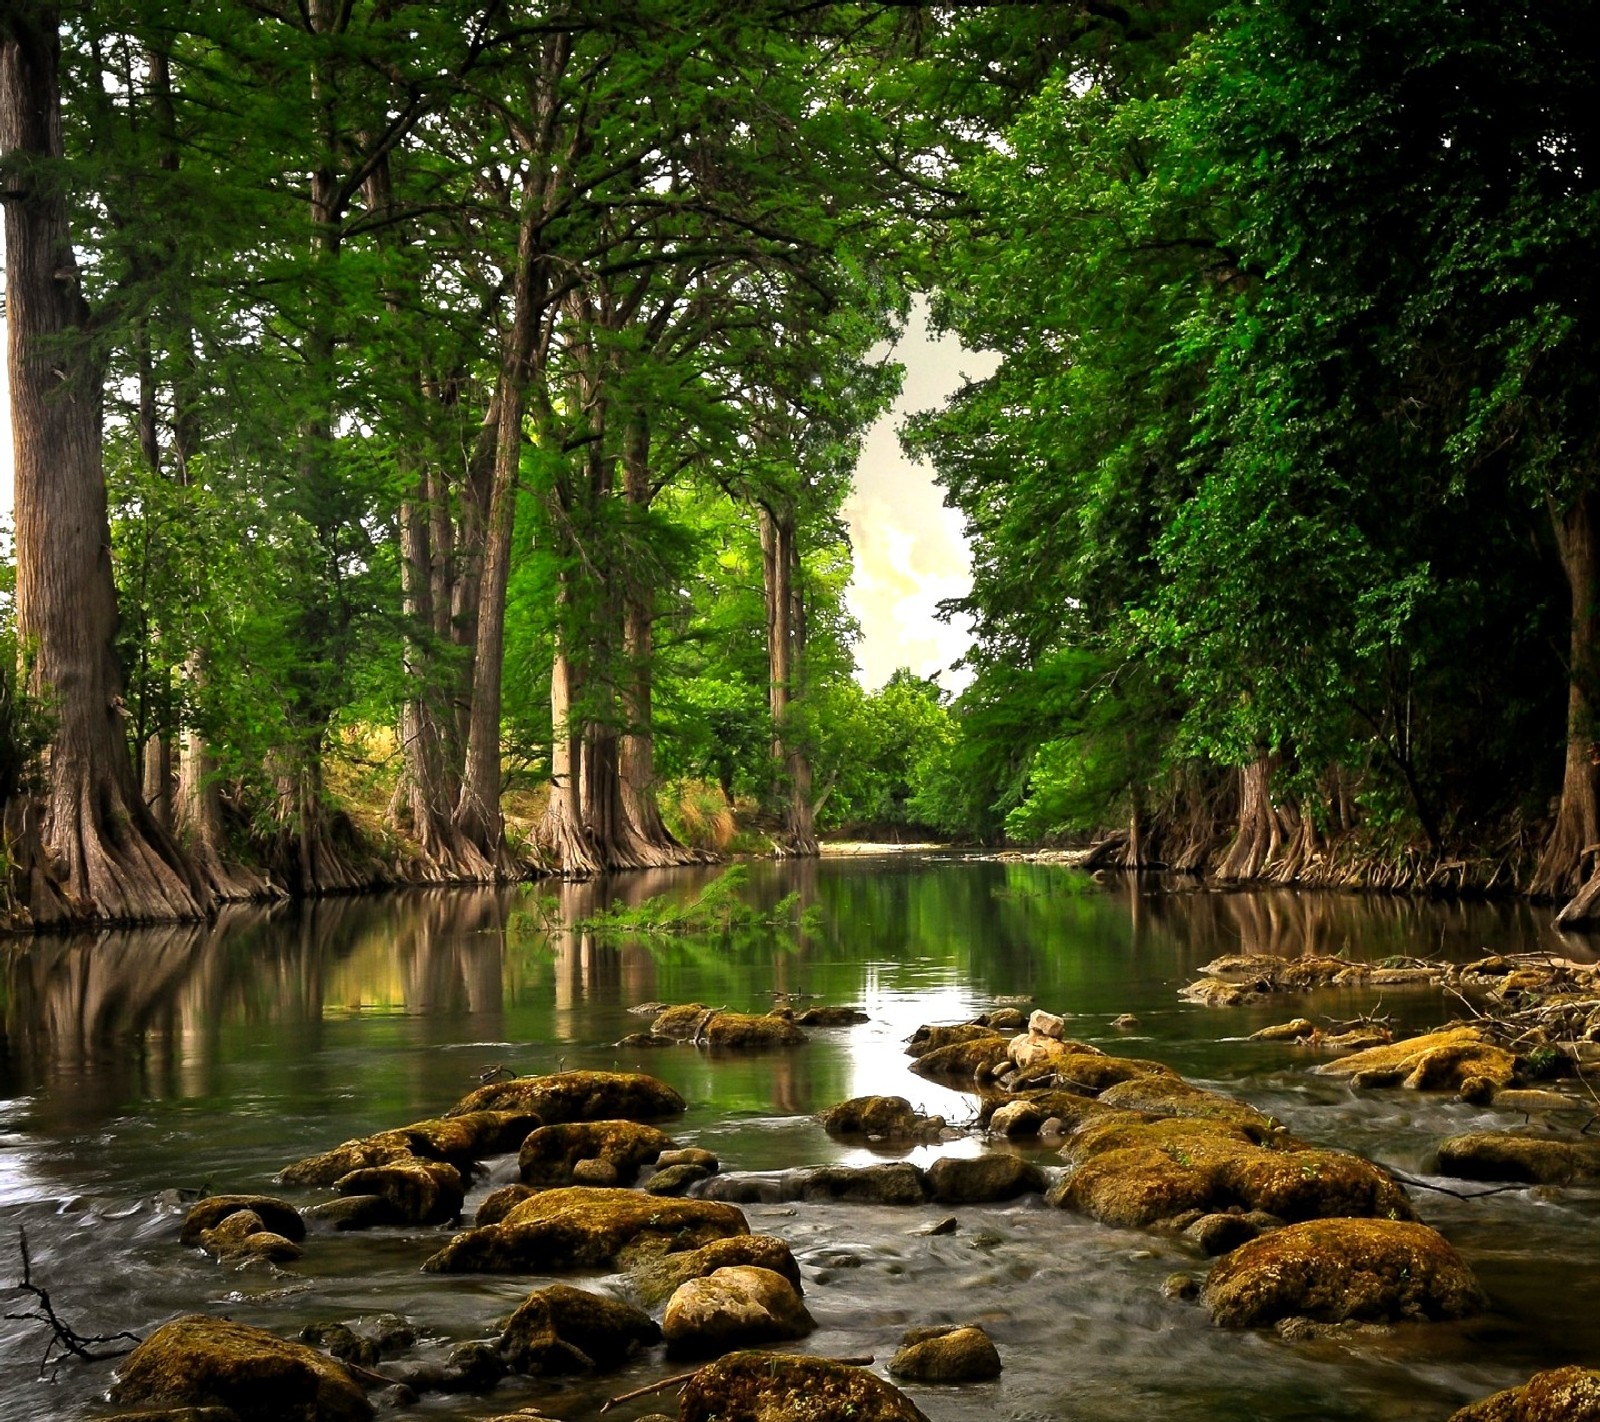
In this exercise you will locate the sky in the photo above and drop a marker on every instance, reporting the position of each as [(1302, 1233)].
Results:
[(909, 549)]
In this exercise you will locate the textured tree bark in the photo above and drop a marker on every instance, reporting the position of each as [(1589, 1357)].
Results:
[(563, 840), (113, 860), (1568, 862), (785, 651), (1260, 832)]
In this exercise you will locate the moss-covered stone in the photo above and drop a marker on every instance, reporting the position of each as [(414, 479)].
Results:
[(655, 1279), (876, 1116), (583, 1228), (930, 1038), (352, 1212), (259, 1377), (1559, 1395), (420, 1191), (577, 1096), (274, 1214), (737, 1306), (1294, 1030), (1505, 1155), (976, 1058), (1439, 1061), (957, 1180), (694, 1022), (242, 1236), (676, 1179), (550, 1154), (458, 1140), (1094, 1072), (1173, 1096), (1331, 1271), (774, 1387), (953, 1353), (891, 1183), (560, 1329), (831, 1017), (1024, 1114)]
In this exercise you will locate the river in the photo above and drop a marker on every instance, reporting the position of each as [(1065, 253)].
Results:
[(137, 1064)]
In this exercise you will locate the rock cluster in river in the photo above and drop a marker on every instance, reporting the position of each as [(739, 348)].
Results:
[(1570, 1394)]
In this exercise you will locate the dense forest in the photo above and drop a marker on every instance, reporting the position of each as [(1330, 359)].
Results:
[(432, 423)]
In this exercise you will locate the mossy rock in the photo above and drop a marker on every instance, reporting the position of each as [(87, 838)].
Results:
[(259, 1377), (242, 1236), (737, 1306), (420, 1191), (1136, 1174), (693, 1022), (957, 1180), (676, 1179), (321, 1170), (892, 1183), (577, 1096), (831, 1017), (1534, 1160), (952, 1353), (875, 1116), (1333, 1271), (932, 1038), (1096, 1072), (497, 1204), (1030, 1050), (1559, 1395), (560, 1329), (656, 1279), (1023, 1114), (584, 1228), (978, 1057), (1173, 1096), (276, 1215), (1295, 1030), (549, 1154), (1439, 1061), (777, 1387)]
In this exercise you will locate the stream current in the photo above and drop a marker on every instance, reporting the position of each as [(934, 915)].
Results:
[(137, 1064)]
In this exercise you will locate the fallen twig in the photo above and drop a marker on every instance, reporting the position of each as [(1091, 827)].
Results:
[(63, 1335), (1405, 1179)]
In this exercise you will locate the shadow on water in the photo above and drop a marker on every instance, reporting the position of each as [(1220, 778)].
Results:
[(136, 1062)]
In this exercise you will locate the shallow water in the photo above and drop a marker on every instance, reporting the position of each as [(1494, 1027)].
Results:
[(135, 1064)]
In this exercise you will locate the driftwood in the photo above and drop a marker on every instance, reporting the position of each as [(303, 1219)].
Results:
[(65, 1341)]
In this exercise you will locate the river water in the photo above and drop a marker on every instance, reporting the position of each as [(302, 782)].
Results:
[(137, 1064)]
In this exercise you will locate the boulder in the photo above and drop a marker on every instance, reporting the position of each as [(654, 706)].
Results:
[(1292, 1031), (497, 1204), (831, 1017), (459, 1140), (273, 1214), (550, 1154), (355, 1212), (931, 1038), (740, 1305), (656, 1279), (1370, 1271), (1046, 1024), (689, 1155), (1024, 1114), (1219, 1233), (577, 1096), (893, 1183), (955, 1180), (419, 1191), (693, 1022), (559, 1329), (474, 1367), (676, 1179), (1534, 1160), (1071, 1067), (1173, 1096), (1439, 1061), (1136, 1173), (876, 1116), (584, 1228), (207, 1362), (242, 1236), (774, 1387), (321, 1170), (1559, 1395), (977, 1057), (953, 1353)]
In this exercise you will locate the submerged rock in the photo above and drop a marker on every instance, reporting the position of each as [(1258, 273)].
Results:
[(550, 1155), (952, 1353), (738, 1306), (957, 1180), (208, 1362), (1336, 1270), (893, 1183), (560, 1329), (877, 1116), (831, 1017), (271, 1213), (774, 1387), (577, 1096), (1292, 1031), (657, 1278), (1439, 1061), (581, 1227), (1505, 1155), (1559, 1395), (694, 1022)]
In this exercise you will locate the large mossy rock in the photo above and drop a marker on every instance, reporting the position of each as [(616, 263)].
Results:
[(1439, 1061), (694, 1022), (877, 1116), (417, 1191), (274, 1214), (978, 1058), (1331, 1271), (243, 1237), (577, 1096), (1533, 1160), (1141, 1171), (209, 1362), (560, 1329), (550, 1154), (952, 1353), (738, 1306), (656, 1279), (584, 1228), (972, 1180), (774, 1387), (1559, 1395)]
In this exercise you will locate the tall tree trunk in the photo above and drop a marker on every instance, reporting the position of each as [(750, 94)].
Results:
[(785, 648), (112, 857), (1568, 862), (1260, 832), (563, 839)]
